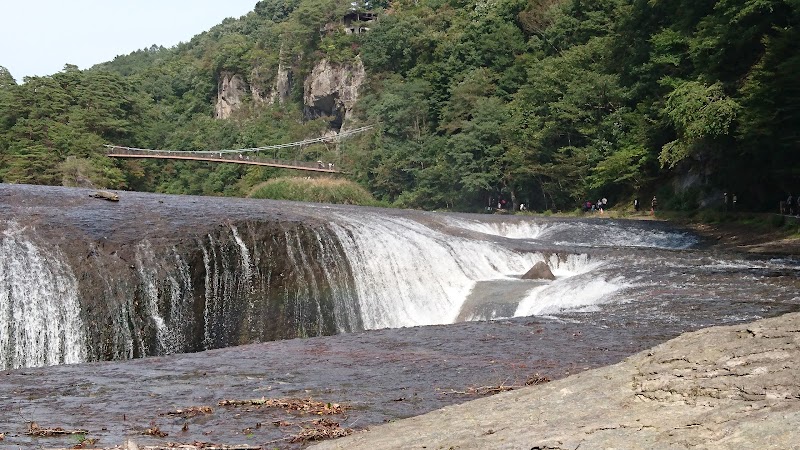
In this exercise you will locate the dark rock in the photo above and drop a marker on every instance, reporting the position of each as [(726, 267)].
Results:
[(539, 271)]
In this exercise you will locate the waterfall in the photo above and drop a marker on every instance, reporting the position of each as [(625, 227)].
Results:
[(247, 267), (335, 271), (583, 234), (407, 274), (40, 320), (147, 268), (527, 229)]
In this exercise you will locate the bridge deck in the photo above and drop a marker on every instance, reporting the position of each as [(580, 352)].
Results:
[(226, 158)]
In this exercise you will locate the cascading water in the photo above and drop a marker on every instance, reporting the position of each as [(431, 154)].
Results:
[(39, 310), (407, 274), (241, 283), (584, 234), (233, 273)]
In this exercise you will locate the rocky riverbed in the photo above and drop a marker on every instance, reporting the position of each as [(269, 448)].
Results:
[(721, 387), (380, 376)]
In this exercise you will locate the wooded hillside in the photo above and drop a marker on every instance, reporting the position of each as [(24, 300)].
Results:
[(546, 102)]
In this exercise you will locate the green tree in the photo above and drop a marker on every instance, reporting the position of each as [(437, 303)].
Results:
[(701, 114)]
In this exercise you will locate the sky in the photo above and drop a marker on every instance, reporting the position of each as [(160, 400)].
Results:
[(39, 37)]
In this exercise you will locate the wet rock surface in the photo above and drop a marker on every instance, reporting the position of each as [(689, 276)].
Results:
[(723, 387), (381, 376)]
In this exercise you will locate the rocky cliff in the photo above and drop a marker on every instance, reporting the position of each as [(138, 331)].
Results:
[(332, 90), (231, 91)]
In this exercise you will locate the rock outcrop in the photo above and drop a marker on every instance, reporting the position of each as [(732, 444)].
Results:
[(331, 90), (231, 90), (539, 271), (722, 387), (278, 92)]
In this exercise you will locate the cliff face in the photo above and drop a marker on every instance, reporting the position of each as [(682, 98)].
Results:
[(278, 91), (332, 90), (231, 90)]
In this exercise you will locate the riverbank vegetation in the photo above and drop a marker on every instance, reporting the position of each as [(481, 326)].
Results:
[(319, 190), (549, 103)]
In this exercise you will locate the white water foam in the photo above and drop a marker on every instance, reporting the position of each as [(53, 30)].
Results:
[(582, 291), (511, 230), (150, 271), (583, 234), (39, 309), (407, 274), (247, 264), (612, 234)]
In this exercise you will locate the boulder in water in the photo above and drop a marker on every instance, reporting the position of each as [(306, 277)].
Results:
[(539, 271)]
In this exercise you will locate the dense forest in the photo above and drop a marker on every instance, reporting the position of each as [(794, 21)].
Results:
[(546, 102)]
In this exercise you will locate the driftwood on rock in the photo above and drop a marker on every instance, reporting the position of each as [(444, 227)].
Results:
[(154, 431), (189, 412), (105, 195), (491, 390), (292, 404), (539, 271), (35, 430), (320, 429), (483, 390)]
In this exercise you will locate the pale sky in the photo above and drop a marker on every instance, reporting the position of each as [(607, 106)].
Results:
[(38, 37)]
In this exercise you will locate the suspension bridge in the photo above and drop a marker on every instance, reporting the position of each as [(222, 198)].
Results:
[(242, 155)]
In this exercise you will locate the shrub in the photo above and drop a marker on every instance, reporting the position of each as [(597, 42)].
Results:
[(320, 190)]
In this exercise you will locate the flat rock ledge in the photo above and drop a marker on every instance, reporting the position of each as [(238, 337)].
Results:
[(722, 387)]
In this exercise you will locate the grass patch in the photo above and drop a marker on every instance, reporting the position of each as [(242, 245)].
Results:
[(318, 190)]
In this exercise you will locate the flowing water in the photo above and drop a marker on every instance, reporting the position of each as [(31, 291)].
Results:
[(82, 279), (39, 308), (86, 280)]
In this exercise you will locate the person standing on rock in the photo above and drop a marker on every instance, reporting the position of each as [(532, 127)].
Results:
[(653, 205)]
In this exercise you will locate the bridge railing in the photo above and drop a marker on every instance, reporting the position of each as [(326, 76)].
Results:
[(241, 158)]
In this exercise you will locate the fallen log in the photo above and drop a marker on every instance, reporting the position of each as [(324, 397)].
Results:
[(292, 404), (35, 430), (483, 390), (189, 412), (105, 195)]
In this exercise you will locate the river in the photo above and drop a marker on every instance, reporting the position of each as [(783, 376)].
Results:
[(87, 285)]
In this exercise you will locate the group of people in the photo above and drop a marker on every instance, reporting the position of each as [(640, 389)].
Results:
[(602, 204), (502, 205), (729, 201), (791, 206), (599, 206)]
